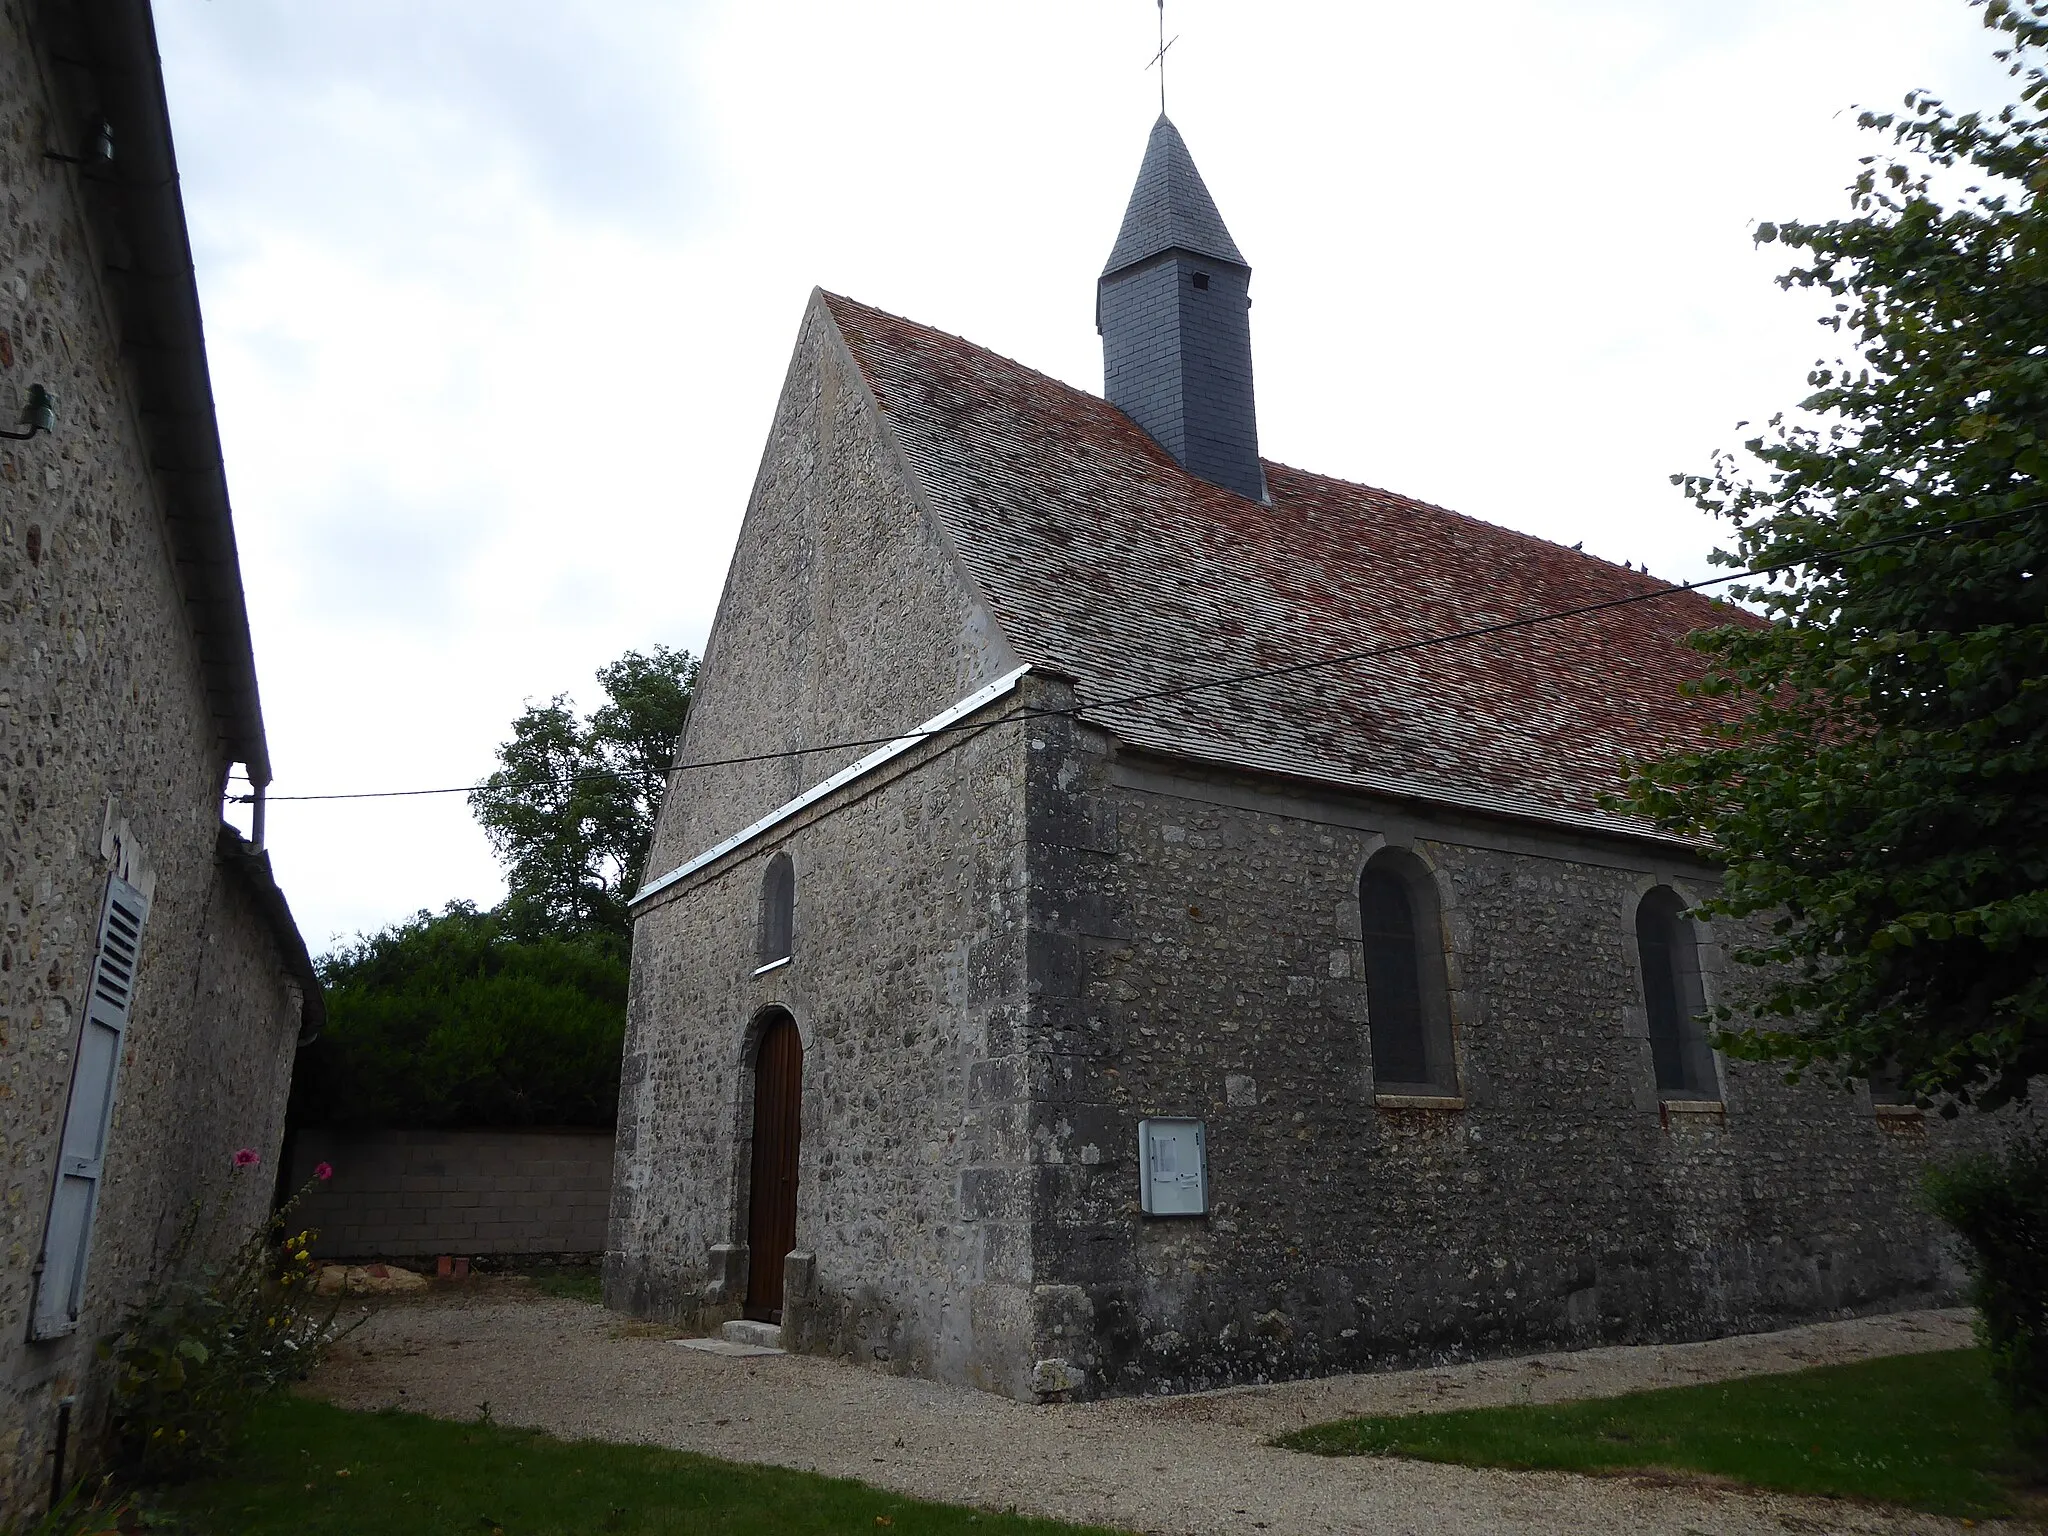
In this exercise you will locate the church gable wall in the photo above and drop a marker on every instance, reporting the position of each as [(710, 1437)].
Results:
[(845, 615), (1211, 968), (906, 982)]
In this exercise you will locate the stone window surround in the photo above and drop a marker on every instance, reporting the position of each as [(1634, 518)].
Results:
[(1340, 809), (1636, 1015), (1885, 1106), (1453, 992), (1635, 1018), (1443, 1101), (1342, 812), (1635, 1021), (776, 939)]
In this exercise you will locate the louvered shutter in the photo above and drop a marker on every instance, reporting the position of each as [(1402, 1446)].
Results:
[(67, 1237)]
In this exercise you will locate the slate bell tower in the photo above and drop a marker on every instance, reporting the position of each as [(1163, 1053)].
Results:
[(1174, 310)]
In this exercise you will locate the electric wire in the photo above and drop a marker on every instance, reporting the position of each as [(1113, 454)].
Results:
[(1264, 674)]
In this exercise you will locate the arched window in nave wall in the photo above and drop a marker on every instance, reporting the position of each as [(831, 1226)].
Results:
[(1407, 995), (1674, 998)]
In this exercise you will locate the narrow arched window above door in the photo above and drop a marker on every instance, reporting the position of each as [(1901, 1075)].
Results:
[(778, 910), (1407, 996)]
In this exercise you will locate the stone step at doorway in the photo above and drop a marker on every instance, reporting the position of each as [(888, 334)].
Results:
[(743, 1330)]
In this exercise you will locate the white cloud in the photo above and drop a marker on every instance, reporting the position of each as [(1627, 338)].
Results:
[(498, 297)]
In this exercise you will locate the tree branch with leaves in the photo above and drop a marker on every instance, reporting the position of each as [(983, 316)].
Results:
[(1880, 799), (571, 807)]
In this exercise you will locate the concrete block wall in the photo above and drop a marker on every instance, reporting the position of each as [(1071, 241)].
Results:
[(414, 1194)]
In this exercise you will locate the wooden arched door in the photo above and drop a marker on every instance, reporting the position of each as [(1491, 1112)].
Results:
[(771, 1198)]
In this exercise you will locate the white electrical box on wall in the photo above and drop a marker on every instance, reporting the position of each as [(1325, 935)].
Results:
[(1173, 1167)]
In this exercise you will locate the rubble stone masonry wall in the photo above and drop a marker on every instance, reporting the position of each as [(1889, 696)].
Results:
[(1202, 940), (906, 982), (845, 615), (1012, 947), (105, 742)]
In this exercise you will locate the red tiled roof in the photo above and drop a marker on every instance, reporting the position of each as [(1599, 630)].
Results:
[(1103, 559)]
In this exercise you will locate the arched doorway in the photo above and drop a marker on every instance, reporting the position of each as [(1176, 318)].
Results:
[(771, 1193)]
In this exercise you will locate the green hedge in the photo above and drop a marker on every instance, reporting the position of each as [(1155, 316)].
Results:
[(448, 1021), (1998, 1205)]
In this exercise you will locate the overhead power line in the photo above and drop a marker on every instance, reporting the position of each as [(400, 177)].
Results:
[(1263, 674)]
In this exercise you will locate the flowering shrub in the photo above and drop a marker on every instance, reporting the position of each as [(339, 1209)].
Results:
[(195, 1354)]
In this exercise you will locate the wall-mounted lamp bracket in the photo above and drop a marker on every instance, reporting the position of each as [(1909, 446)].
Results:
[(99, 138), (38, 415)]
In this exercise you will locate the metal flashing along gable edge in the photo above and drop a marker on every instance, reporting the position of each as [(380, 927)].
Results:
[(854, 770)]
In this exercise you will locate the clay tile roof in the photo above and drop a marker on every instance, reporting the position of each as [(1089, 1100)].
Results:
[(1170, 208), (1104, 560)]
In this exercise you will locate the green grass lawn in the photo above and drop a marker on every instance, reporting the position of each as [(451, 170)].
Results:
[(310, 1469), (1919, 1430), (581, 1283)]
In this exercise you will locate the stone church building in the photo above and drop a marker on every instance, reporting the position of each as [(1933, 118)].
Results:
[(1057, 977)]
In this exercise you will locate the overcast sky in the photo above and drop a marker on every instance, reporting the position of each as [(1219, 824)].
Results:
[(498, 294)]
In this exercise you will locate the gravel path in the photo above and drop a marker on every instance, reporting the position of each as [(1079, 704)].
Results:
[(1193, 1464)]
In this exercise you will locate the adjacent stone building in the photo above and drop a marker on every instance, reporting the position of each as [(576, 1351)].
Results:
[(1231, 977), (153, 987)]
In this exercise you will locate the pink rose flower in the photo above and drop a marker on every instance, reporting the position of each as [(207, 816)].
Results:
[(247, 1158), (323, 1171)]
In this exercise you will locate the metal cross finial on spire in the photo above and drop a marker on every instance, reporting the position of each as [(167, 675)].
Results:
[(1159, 58)]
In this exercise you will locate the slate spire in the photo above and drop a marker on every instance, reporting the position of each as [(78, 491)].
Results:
[(1174, 310), (1171, 208)]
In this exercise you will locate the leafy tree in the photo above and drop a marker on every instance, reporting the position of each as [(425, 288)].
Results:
[(571, 807), (636, 729), (448, 1021), (1881, 799), (514, 1016)]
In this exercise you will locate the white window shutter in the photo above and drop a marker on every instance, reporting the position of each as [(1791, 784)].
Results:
[(95, 1070)]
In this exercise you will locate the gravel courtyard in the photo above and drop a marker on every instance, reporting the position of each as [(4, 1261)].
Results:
[(1193, 1464)]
